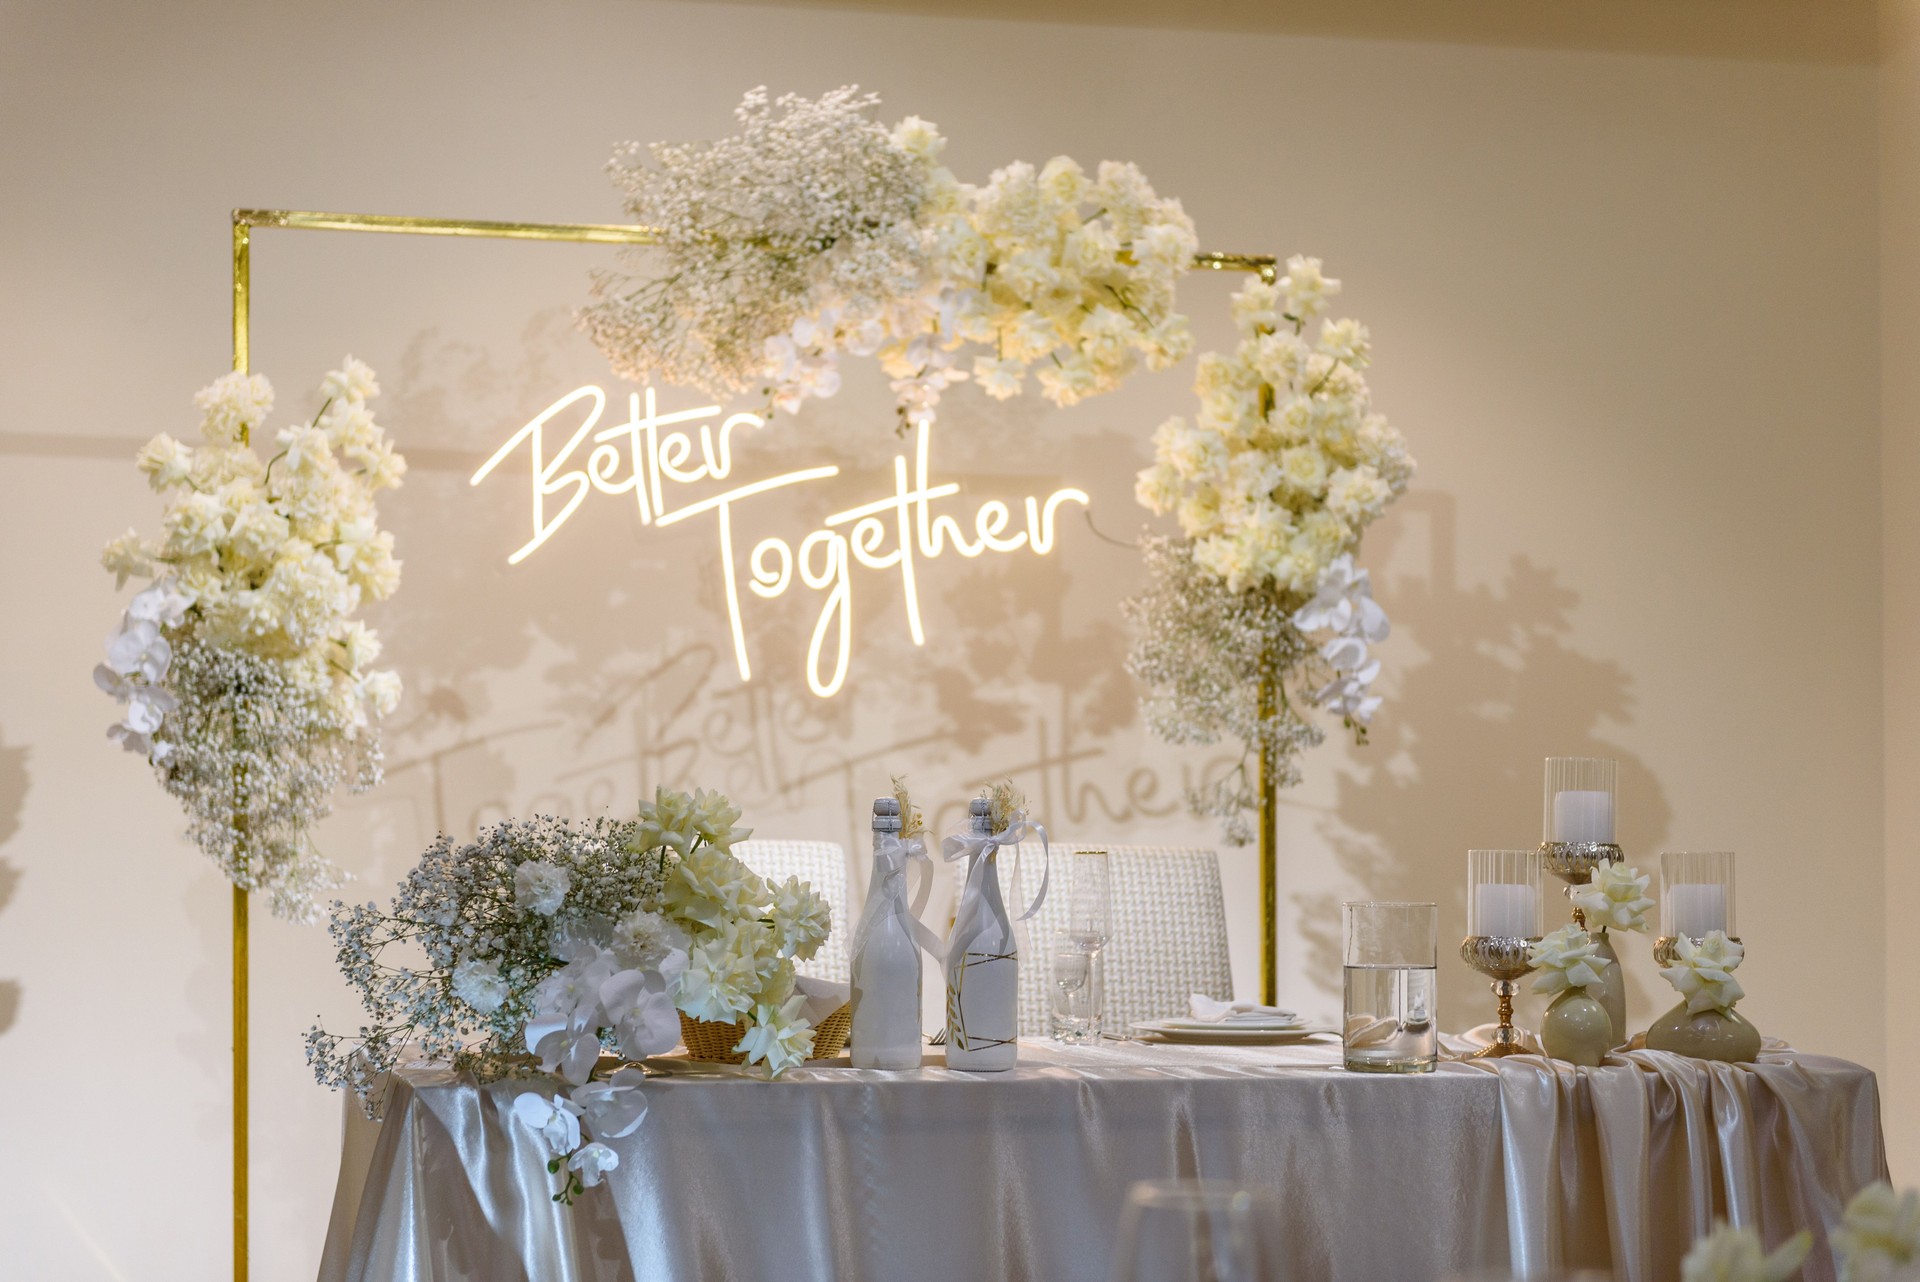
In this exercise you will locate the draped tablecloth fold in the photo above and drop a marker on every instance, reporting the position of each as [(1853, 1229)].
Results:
[(870, 1176)]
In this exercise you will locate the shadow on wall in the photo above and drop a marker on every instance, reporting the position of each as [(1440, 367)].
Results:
[(1455, 761), (13, 801)]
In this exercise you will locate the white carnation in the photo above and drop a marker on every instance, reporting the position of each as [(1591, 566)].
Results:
[(541, 887)]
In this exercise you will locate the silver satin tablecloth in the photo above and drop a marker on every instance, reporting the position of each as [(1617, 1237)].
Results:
[(867, 1176)]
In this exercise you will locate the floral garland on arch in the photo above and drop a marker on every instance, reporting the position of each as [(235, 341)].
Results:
[(1257, 612), (816, 232), (246, 682)]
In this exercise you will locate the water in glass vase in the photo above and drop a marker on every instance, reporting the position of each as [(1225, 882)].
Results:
[(1390, 1024)]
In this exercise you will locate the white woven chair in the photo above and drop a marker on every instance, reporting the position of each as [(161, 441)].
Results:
[(1169, 933), (822, 865)]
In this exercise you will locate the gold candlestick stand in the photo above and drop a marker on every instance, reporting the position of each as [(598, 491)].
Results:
[(1503, 959)]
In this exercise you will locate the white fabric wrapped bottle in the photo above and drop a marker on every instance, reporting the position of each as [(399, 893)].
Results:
[(983, 963), (886, 954)]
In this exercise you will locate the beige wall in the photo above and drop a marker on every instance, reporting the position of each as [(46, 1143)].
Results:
[(1625, 310), (1900, 474)]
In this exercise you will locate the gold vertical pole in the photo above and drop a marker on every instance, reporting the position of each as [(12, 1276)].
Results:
[(1269, 826), (1268, 270), (242, 246)]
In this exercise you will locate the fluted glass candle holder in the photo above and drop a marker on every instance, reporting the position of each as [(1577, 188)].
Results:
[(1576, 818), (1696, 898), (1503, 919)]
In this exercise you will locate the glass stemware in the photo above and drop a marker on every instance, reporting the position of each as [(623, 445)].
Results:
[(1186, 1231)]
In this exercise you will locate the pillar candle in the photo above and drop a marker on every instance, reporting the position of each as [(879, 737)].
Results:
[(1582, 815), (1696, 908), (1505, 909)]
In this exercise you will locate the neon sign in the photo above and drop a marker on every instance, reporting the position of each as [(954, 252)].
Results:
[(640, 457)]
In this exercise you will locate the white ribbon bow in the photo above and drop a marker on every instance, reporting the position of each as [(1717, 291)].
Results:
[(897, 856), (972, 847)]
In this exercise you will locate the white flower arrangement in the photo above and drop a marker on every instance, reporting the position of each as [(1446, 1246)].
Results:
[(816, 232), (1703, 972), (1736, 1255), (246, 681), (1614, 898), (563, 938), (1879, 1235), (1565, 960), (1258, 611)]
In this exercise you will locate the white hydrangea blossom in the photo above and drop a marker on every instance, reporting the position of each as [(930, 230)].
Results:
[(815, 232), (1286, 463), (255, 577)]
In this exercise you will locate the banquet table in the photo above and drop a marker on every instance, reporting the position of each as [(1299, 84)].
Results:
[(1524, 1164)]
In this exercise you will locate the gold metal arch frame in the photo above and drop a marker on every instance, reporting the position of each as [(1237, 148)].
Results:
[(1266, 266)]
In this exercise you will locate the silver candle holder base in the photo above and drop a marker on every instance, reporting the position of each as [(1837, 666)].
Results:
[(1574, 861), (1503, 959), (1666, 949)]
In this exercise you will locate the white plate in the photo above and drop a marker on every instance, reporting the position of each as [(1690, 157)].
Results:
[(1219, 1035), (1264, 1025)]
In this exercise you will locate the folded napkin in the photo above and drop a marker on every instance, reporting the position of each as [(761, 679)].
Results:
[(823, 997), (1211, 1011)]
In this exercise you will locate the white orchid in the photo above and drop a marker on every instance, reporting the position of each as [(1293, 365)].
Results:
[(639, 1008), (571, 994), (591, 1161), (1703, 972), (614, 1108), (1344, 604), (556, 1120), (1879, 1234), (1736, 1255), (1567, 959), (1615, 897)]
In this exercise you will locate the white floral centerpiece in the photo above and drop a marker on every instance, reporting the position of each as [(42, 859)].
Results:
[(1257, 612), (561, 938), (246, 681), (817, 232)]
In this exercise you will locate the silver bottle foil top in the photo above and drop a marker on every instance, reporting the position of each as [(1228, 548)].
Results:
[(886, 814), (980, 815)]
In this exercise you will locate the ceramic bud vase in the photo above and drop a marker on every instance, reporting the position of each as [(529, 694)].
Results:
[(1613, 986), (1708, 1034), (1577, 1029)]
